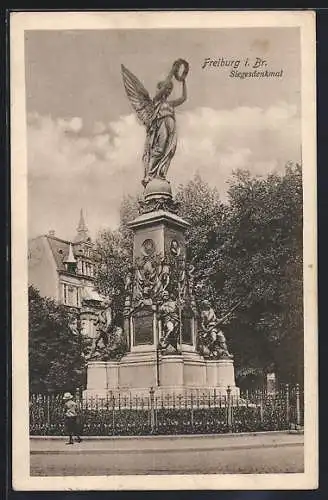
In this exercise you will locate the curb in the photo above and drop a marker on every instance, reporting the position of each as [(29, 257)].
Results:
[(173, 436), (130, 451)]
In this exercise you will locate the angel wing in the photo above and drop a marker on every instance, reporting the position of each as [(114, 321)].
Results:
[(138, 97)]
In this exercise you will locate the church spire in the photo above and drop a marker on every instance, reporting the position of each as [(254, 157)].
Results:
[(82, 230)]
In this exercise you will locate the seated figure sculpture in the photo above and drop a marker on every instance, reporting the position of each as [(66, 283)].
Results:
[(213, 342)]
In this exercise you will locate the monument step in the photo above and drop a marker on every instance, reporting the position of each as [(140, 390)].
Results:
[(165, 392)]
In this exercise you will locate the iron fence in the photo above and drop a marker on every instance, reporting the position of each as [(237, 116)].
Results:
[(172, 413)]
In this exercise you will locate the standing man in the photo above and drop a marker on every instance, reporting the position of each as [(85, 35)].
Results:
[(71, 414)]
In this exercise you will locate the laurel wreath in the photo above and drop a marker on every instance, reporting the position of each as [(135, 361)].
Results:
[(177, 65)]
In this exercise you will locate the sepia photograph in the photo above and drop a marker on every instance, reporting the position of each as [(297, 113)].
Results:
[(164, 250)]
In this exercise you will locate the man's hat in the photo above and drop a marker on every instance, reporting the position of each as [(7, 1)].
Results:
[(67, 395)]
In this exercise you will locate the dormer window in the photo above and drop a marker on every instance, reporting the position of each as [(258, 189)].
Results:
[(70, 261), (71, 268)]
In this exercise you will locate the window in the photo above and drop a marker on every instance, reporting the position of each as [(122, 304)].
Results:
[(85, 268), (71, 295), (65, 294), (88, 270), (71, 267)]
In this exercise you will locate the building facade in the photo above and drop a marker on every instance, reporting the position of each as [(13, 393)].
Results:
[(64, 271)]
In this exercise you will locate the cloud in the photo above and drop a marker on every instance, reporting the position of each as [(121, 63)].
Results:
[(217, 142), (73, 125), (69, 168)]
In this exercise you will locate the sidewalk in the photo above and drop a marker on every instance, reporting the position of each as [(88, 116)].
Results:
[(151, 444)]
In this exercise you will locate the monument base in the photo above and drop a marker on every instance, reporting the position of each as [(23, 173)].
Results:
[(137, 372)]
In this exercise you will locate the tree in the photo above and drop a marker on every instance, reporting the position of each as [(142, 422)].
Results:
[(202, 207), (56, 353), (115, 259), (249, 248), (128, 211), (114, 249), (262, 261)]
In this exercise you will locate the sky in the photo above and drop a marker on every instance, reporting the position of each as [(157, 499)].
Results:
[(85, 144)]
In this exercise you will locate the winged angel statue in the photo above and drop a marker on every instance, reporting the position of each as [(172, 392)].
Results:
[(158, 116)]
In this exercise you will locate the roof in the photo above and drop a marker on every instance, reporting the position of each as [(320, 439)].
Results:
[(60, 250)]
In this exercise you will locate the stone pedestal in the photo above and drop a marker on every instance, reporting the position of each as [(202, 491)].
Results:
[(171, 372), (97, 376), (221, 375), (158, 245), (102, 376), (137, 372), (112, 374), (160, 302), (194, 374)]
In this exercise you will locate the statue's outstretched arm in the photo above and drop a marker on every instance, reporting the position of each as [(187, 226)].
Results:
[(183, 98)]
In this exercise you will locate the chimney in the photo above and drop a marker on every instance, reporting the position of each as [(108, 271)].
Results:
[(51, 232)]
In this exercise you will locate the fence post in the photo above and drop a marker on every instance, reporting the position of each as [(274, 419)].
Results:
[(48, 410), (192, 412), (152, 409), (261, 400), (229, 408), (298, 409), (113, 413), (287, 404)]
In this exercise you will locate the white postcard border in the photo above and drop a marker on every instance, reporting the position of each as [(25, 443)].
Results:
[(19, 23)]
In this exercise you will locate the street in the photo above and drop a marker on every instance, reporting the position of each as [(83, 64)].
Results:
[(261, 453)]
